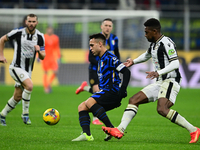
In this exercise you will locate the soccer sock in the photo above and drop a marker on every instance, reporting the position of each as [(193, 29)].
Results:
[(84, 120), (175, 117), (45, 81), (26, 96), (52, 78), (94, 118), (128, 115), (87, 88), (100, 113), (9, 106)]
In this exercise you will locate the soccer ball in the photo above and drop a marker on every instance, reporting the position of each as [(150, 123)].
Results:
[(51, 116)]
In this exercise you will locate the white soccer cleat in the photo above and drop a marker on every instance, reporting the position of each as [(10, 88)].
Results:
[(84, 137)]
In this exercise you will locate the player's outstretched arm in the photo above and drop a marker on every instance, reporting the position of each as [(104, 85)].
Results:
[(129, 62), (3, 39)]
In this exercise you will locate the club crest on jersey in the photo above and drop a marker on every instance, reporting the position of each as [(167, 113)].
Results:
[(113, 42), (102, 64), (34, 38), (21, 76), (171, 52)]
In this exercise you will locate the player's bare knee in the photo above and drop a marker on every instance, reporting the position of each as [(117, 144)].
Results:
[(29, 87), (81, 107)]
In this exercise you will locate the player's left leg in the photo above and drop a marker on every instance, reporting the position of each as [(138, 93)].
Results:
[(166, 100), (26, 96), (84, 120)]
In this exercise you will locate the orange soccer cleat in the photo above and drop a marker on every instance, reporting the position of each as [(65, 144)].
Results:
[(113, 132), (80, 88), (195, 136), (97, 122)]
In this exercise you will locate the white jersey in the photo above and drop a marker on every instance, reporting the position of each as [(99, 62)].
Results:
[(24, 51), (162, 52)]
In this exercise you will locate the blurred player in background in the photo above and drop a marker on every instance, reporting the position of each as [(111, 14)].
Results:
[(50, 62), (111, 93), (111, 45), (164, 56), (28, 42)]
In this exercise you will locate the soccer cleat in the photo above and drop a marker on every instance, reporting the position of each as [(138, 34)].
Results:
[(80, 88), (84, 137), (108, 137), (113, 132), (97, 122), (26, 119), (195, 136), (3, 120)]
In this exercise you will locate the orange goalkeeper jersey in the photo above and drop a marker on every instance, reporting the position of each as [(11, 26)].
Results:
[(52, 49)]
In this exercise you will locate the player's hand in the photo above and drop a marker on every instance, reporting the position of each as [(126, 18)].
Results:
[(122, 92), (128, 63), (152, 74), (3, 59), (37, 48)]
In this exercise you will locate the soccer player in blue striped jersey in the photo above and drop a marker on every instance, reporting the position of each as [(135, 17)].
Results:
[(112, 46), (110, 94), (28, 42), (164, 56)]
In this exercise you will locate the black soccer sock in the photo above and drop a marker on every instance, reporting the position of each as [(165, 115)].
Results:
[(84, 120), (90, 90), (100, 113)]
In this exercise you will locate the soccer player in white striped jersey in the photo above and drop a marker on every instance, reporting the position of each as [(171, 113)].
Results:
[(28, 42), (164, 56)]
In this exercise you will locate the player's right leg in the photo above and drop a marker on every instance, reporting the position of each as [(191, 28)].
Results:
[(129, 114)]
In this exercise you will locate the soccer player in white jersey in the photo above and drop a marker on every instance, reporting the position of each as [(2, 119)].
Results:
[(164, 56), (28, 42)]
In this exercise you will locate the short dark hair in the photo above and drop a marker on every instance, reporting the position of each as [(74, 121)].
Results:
[(32, 15), (107, 19), (99, 36), (153, 24)]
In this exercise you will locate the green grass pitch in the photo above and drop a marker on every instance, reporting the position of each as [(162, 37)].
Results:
[(147, 131)]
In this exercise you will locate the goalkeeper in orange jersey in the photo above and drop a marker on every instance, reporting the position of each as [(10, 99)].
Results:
[(50, 63)]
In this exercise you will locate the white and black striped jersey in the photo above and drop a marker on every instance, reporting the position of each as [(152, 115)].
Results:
[(24, 51), (162, 52)]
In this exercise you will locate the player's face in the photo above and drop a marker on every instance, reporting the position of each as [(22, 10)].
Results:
[(106, 27), (95, 47), (150, 34), (31, 23)]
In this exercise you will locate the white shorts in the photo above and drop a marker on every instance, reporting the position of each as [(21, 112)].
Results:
[(168, 88), (18, 74)]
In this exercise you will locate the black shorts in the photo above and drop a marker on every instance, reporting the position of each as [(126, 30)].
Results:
[(93, 78), (107, 100)]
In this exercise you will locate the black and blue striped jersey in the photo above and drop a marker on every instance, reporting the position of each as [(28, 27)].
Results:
[(111, 45), (109, 67)]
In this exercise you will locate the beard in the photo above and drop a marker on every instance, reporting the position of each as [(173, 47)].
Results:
[(151, 39), (31, 30)]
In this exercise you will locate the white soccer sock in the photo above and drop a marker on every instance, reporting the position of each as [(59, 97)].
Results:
[(94, 118), (26, 96), (175, 117), (9, 106), (128, 115), (86, 88)]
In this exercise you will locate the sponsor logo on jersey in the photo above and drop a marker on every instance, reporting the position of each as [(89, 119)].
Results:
[(171, 52)]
